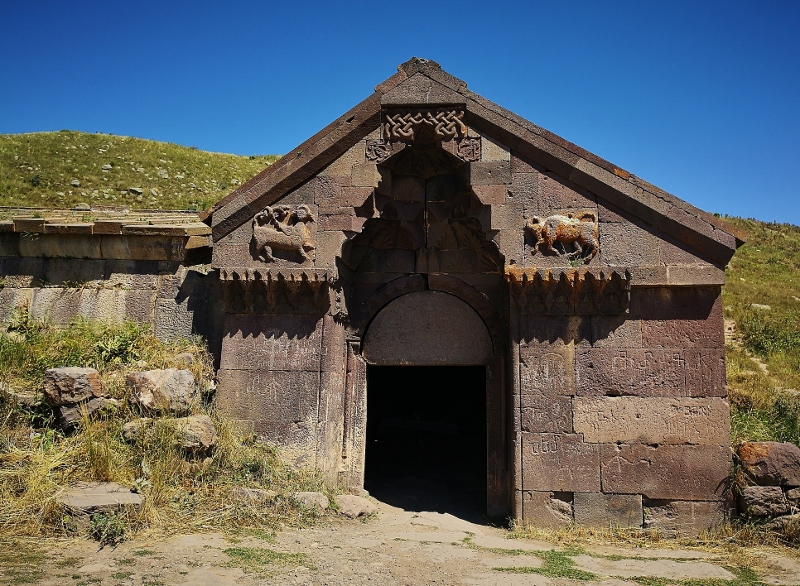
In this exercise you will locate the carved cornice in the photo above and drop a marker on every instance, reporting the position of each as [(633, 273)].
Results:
[(253, 290), (407, 124), (585, 291)]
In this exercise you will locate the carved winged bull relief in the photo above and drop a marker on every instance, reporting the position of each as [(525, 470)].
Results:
[(283, 228), (575, 233)]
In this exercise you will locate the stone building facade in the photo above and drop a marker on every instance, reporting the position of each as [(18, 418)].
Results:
[(567, 312), (430, 227)]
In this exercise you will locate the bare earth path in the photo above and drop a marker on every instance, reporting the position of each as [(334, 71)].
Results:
[(399, 547)]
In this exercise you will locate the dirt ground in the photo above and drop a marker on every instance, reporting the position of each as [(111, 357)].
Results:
[(398, 547)]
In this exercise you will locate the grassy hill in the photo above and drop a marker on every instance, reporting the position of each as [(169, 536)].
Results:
[(762, 298), (61, 169)]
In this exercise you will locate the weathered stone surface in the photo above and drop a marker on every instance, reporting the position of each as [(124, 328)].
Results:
[(427, 328), (98, 497), (771, 463), (72, 413), (616, 331), (133, 430), (546, 414), (793, 496), (70, 385), (273, 342), (311, 500), (170, 390), (595, 509), (195, 434), (547, 509), (252, 495), (560, 462), (650, 372), (22, 399), (684, 517), (353, 506), (666, 472), (763, 501), (547, 370), (652, 420)]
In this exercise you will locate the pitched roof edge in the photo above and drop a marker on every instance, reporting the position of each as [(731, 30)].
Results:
[(300, 164)]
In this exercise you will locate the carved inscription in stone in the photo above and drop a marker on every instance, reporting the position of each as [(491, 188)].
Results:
[(559, 462), (652, 420), (272, 342), (650, 372), (283, 228), (547, 370), (408, 124), (546, 414), (575, 235)]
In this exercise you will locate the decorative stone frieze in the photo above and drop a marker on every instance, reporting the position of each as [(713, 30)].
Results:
[(408, 124), (571, 291), (247, 290)]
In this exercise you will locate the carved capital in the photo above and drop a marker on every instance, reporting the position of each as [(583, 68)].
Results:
[(570, 291), (247, 290), (431, 124)]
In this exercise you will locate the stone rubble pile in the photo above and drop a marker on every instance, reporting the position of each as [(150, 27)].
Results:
[(73, 391), (772, 470)]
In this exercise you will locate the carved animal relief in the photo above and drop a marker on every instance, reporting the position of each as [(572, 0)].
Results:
[(283, 228), (573, 235)]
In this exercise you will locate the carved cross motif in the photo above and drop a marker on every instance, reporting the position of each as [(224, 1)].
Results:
[(378, 150), (406, 124), (469, 149)]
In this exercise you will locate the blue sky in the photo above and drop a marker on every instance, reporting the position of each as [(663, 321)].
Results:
[(699, 98)]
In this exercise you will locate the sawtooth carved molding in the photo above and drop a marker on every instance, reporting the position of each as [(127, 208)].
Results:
[(570, 291), (247, 290), (575, 234), (283, 228), (408, 124)]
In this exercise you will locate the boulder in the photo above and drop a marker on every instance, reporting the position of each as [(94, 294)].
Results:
[(793, 496), (195, 434), (763, 501), (71, 414), (311, 500), (133, 429), (787, 523), (771, 463), (70, 385), (25, 400), (354, 506), (169, 390), (98, 497), (252, 495)]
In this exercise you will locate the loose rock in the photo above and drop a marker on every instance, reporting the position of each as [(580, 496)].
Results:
[(169, 390), (132, 430), (763, 501), (312, 500), (252, 495), (72, 414), (25, 400), (70, 385), (771, 463), (196, 434), (75, 183), (136, 190), (353, 506)]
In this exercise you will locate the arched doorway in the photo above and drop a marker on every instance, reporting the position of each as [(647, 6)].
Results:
[(426, 441)]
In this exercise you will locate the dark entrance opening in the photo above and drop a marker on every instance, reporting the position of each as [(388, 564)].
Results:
[(426, 438)]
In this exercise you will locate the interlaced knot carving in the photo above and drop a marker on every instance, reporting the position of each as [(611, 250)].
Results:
[(406, 124)]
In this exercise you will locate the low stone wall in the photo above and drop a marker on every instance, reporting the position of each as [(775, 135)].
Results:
[(146, 267)]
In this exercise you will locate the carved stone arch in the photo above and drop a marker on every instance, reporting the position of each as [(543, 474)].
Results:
[(494, 322)]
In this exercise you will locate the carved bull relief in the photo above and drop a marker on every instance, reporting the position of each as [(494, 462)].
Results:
[(575, 234), (283, 228)]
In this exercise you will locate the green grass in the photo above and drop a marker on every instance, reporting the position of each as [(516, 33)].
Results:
[(744, 577), (257, 559), (38, 169), (555, 564), (764, 271), (21, 562)]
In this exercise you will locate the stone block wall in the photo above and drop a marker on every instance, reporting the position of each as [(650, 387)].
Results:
[(625, 419)]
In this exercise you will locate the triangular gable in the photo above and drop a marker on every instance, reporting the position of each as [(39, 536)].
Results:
[(423, 83)]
